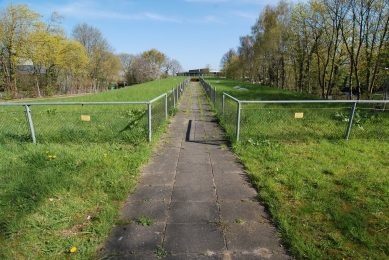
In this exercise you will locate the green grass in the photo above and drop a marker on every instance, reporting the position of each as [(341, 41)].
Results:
[(63, 193), (140, 92), (279, 122), (51, 204), (329, 198), (115, 123)]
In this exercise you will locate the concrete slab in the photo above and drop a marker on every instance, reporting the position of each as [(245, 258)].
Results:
[(194, 147), (222, 157), (135, 238), (158, 211), (164, 159), (167, 151), (260, 254), (257, 238), (231, 179), (194, 158), (227, 167), (206, 118), (219, 151), (188, 151), (152, 193), (193, 238), (193, 212), (154, 168), (195, 221), (131, 256), (172, 142), (194, 193), (233, 212), (187, 167), (203, 256), (236, 193), (202, 179), (157, 179)]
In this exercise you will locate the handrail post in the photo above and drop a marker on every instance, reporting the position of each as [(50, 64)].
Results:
[(166, 106), (351, 118), (223, 104), (214, 102), (149, 119), (174, 98), (177, 95), (28, 113), (238, 122)]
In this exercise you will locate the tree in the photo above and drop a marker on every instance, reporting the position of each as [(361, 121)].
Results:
[(227, 57), (143, 71), (246, 57), (127, 61), (270, 36), (46, 42), (226, 61), (155, 60), (16, 24), (98, 52), (175, 67), (74, 63)]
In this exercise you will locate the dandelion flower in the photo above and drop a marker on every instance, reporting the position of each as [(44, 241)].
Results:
[(50, 157), (54, 156), (73, 249)]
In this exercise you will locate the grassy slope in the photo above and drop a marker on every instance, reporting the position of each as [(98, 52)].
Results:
[(141, 92), (330, 199), (57, 196)]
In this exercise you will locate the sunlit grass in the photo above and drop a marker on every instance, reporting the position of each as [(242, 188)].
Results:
[(329, 197), (116, 123), (61, 198), (54, 197)]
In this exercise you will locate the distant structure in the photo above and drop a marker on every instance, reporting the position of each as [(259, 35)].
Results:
[(200, 72)]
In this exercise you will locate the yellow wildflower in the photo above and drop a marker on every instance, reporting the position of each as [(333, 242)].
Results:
[(73, 249)]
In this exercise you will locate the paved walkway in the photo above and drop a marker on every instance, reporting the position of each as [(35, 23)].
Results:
[(198, 195)]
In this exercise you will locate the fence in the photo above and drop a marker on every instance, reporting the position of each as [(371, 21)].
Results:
[(294, 120), (92, 122)]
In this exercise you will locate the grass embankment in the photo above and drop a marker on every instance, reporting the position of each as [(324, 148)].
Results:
[(330, 199), (61, 194)]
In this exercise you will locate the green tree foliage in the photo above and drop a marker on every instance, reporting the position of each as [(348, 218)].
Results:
[(324, 47), (16, 24), (37, 58)]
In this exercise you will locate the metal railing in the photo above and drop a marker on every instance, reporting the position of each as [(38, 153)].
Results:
[(292, 120), (63, 122)]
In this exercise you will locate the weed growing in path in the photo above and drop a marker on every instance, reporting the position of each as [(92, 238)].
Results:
[(161, 252), (145, 220)]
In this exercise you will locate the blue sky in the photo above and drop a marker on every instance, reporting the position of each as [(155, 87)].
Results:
[(194, 32)]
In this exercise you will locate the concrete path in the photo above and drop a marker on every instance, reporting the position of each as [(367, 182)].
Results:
[(198, 196)]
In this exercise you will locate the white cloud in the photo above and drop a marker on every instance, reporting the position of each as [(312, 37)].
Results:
[(161, 17), (91, 9), (207, 19), (244, 14)]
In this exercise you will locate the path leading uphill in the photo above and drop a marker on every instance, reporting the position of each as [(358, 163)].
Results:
[(198, 195)]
